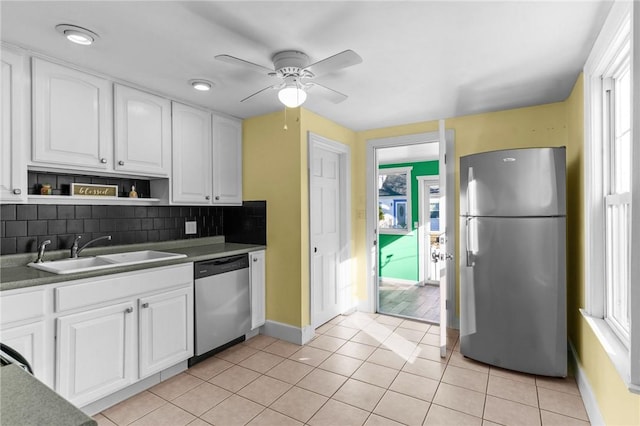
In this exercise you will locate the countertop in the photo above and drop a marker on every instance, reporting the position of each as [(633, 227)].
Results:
[(14, 273), (25, 400)]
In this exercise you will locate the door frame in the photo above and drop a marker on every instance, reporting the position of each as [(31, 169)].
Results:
[(424, 220), (370, 304), (345, 298)]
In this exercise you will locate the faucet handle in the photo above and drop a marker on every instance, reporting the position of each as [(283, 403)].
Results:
[(41, 249), (76, 239)]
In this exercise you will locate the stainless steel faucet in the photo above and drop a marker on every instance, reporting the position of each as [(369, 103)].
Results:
[(75, 251), (41, 249)]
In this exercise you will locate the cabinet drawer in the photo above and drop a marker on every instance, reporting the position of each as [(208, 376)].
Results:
[(118, 286), (21, 306)]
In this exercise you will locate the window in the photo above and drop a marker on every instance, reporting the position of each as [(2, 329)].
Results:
[(611, 164), (434, 208), (617, 199), (394, 200)]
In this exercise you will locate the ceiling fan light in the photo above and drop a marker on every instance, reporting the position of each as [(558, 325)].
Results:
[(292, 97)]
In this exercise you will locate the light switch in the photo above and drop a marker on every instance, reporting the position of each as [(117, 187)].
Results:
[(191, 227)]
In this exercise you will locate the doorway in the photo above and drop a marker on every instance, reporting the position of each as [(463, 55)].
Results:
[(402, 228), (379, 289), (329, 228)]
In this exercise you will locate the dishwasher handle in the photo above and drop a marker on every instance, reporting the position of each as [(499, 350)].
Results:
[(221, 265)]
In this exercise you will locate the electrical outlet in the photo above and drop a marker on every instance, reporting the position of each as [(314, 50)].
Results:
[(191, 227)]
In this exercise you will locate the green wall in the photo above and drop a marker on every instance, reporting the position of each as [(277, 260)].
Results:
[(403, 249)]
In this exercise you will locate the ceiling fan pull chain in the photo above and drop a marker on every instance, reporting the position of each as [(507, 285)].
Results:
[(285, 119)]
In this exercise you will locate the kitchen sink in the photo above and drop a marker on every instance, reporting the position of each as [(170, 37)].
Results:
[(86, 264), (144, 256)]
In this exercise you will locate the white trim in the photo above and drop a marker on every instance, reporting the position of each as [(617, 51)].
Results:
[(424, 220), (407, 170), (604, 51), (345, 298), (290, 333), (586, 391)]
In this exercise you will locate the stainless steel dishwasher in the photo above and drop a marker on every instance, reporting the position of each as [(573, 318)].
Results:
[(222, 302)]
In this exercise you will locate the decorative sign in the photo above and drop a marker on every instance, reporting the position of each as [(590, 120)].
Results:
[(91, 190)]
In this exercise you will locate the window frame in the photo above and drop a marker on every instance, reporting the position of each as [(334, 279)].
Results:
[(409, 205), (618, 27)]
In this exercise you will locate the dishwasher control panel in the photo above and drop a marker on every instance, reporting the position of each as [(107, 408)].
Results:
[(221, 265)]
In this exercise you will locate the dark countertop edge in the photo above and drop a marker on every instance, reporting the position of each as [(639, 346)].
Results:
[(17, 277)]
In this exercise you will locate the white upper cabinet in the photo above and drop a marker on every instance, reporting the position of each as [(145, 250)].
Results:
[(191, 178), (227, 161), (15, 130), (72, 118), (142, 132)]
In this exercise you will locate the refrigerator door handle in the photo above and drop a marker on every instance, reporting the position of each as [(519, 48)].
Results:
[(470, 261)]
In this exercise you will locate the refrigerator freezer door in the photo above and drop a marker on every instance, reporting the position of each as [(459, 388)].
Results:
[(514, 182), (513, 298)]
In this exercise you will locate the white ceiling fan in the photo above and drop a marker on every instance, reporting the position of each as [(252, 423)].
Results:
[(293, 68)]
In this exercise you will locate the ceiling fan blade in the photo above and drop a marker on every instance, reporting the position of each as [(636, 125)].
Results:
[(335, 62), (241, 62), (258, 92), (330, 94)]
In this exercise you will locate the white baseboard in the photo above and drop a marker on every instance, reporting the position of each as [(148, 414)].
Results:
[(588, 397), (290, 333)]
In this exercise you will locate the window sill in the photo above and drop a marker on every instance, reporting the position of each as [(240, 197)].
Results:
[(617, 352)]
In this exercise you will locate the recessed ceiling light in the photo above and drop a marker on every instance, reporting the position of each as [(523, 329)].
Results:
[(77, 34), (201, 85)]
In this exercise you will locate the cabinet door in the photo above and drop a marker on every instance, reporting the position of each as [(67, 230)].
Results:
[(191, 178), (166, 330), (15, 130), (29, 341), (72, 118), (257, 283), (143, 132), (95, 353), (227, 161)]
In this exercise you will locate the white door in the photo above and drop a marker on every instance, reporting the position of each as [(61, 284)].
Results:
[(29, 341), (95, 353), (443, 239), (325, 234), (166, 330), (142, 132)]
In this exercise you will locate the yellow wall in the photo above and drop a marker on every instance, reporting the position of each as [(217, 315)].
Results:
[(271, 171)]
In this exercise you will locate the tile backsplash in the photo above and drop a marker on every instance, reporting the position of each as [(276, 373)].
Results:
[(23, 226)]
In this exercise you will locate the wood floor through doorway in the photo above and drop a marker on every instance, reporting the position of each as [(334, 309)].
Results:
[(420, 302)]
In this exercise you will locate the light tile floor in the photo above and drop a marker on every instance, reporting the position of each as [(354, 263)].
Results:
[(360, 369)]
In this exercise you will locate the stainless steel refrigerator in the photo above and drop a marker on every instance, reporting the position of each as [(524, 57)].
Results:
[(513, 259)]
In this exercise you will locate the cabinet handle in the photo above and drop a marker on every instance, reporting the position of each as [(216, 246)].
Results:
[(217, 197), (128, 310), (103, 160), (17, 191), (120, 163), (145, 305), (207, 197), (255, 259)]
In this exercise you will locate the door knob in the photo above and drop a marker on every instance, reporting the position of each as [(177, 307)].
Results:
[(446, 256)]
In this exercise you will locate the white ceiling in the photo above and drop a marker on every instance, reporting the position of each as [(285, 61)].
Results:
[(422, 60)]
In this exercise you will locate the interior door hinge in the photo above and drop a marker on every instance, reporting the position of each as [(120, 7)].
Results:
[(447, 305), (445, 159)]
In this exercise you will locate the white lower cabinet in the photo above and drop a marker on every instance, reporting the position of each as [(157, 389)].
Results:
[(120, 329), (257, 286), (166, 330), (95, 352)]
